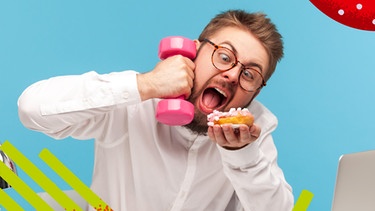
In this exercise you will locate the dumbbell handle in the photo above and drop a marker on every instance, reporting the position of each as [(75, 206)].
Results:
[(175, 111)]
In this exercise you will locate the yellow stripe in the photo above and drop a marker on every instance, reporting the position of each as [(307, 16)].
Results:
[(24, 190), (41, 179), (303, 201), (73, 181), (8, 203)]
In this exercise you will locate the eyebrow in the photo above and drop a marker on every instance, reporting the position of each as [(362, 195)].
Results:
[(247, 65)]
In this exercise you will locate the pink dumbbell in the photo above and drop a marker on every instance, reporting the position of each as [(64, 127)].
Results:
[(175, 111)]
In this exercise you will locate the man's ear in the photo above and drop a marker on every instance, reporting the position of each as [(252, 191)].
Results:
[(197, 44)]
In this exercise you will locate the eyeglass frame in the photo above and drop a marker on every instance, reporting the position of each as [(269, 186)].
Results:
[(243, 67)]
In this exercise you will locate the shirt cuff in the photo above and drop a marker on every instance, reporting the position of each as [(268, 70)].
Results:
[(113, 89), (124, 87), (241, 158)]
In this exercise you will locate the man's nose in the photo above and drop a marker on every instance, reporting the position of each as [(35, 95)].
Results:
[(232, 75)]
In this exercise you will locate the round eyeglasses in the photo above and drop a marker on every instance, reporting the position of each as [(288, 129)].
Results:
[(223, 59)]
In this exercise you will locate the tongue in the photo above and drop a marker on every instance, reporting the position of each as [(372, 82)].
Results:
[(211, 98)]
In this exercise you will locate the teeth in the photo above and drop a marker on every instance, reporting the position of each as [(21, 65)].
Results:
[(221, 92)]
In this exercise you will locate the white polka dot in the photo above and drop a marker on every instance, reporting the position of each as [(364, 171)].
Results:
[(373, 21), (341, 12), (359, 6)]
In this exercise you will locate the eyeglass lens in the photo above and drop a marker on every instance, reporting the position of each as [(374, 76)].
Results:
[(224, 59)]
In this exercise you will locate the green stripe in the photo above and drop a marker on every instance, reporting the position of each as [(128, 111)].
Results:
[(41, 179), (303, 201), (25, 191), (8, 203), (73, 181)]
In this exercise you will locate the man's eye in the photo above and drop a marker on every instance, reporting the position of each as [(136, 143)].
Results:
[(225, 58), (248, 75)]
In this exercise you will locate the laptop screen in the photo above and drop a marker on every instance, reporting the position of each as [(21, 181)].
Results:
[(355, 182)]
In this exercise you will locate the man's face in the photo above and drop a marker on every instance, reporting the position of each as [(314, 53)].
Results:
[(220, 90)]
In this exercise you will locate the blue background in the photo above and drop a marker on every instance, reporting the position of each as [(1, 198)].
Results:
[(322, 91)]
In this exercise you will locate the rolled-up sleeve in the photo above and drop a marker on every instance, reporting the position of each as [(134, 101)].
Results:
[(56, 104)]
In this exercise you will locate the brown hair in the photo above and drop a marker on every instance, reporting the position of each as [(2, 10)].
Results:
[(256, 23)]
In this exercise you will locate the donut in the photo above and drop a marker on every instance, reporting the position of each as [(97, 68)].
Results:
[(233, 116)]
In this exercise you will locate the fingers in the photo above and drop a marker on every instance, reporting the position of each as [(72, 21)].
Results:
[(171, 77), (255, 131), (183, 76), (227, 136), (178, 75), (189, 77)]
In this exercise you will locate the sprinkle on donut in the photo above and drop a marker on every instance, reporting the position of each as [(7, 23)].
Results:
[(216, 115)]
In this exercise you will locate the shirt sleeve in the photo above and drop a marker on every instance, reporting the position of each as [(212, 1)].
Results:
[(258, 181), (61, 106)]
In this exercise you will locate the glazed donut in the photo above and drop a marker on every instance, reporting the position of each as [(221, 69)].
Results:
[(233, 116)]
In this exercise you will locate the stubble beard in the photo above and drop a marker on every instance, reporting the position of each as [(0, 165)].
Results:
[(199, 124)]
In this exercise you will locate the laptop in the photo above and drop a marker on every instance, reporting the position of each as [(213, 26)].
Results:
[(355, 182)]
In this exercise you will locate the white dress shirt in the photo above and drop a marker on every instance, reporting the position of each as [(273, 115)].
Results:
[(143, 165)]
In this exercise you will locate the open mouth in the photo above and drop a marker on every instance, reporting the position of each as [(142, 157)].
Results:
[(213, 99)]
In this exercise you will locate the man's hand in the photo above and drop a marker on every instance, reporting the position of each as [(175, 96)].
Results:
[(233, 138), (171, 77)]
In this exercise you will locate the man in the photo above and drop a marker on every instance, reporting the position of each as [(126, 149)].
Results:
[(141, 164)]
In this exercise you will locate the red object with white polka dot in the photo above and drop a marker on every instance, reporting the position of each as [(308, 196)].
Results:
[(359, 14)]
